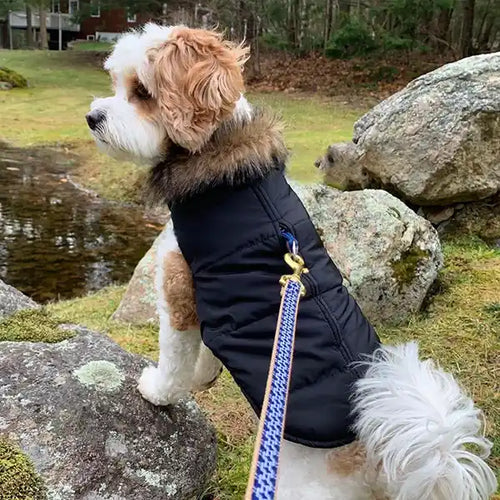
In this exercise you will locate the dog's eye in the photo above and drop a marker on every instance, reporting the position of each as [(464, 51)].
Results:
[(141, 92)]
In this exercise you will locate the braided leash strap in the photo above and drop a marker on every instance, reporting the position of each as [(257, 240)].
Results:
[(264, 470)]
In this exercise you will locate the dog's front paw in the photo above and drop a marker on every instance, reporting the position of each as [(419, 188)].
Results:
[(157, 390)]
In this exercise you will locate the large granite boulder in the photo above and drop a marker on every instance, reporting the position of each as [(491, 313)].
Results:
[(12, 300), (73, 408), (138, 304), (388, 255), (436, 142)]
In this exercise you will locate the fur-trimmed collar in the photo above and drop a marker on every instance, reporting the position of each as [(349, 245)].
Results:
[(238, 152)]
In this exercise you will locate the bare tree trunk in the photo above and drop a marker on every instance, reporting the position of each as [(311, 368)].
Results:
[(289, 22), (303, 19), (328, 23), (443, 23), (493, 36), (29, 28), (485, 15), (293, 14), (44, 41), (485, 33), (466, 48), (296, 23), (256, 49), (245, 29)]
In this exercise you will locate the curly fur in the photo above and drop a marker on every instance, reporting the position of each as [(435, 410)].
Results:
[(238, 151), (196, 79), (179, 292), (417, 426)]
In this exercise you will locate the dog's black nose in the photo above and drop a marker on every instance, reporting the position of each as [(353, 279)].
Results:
[(94, 118)]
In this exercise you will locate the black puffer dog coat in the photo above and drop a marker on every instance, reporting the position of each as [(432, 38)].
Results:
[(231, 237)]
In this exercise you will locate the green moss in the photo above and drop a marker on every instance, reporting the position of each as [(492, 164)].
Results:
[(18, 478), (334, 185), (33, 325), (461, 327), (12, 77), (404, 269), (493, 310)]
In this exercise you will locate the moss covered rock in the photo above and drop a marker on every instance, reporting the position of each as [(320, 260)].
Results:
[(405, 268), (388, 255), (12, 77), (74, 409), (18, 478), (33, 325)]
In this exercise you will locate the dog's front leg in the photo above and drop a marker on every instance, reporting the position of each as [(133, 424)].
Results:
[(179, 332), (173, 377)]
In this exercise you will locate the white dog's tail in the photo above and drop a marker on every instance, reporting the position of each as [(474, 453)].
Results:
[(420, 430)]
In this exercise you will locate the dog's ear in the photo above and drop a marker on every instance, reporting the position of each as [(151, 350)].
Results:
[(197, 80)]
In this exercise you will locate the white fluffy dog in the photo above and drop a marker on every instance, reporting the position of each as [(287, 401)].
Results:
[(418, 435)]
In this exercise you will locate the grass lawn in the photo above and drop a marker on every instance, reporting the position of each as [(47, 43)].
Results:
[(85, 46), (52, 111)]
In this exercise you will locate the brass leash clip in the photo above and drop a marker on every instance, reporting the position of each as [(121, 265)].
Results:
[(296, 262)]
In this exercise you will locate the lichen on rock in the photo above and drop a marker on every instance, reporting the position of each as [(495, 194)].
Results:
[(101, 375), (18, 478)]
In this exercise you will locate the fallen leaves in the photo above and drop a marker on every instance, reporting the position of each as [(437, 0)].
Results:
[(375, 77)]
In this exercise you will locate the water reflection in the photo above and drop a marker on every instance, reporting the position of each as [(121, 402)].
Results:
[(56, 241)]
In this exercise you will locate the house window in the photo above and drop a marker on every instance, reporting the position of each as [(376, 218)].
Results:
[(95, 8), (131, 18), (55, 6), (73, 7)]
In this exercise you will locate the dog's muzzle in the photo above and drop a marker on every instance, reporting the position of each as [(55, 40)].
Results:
[(94, 118)]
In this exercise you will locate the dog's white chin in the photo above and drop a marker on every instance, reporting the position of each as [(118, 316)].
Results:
[(124, 155), (126, 135)]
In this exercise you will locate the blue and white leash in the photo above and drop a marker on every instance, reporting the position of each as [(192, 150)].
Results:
[(264, 470)]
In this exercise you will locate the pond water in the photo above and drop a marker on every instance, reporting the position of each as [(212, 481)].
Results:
[(57, 241)]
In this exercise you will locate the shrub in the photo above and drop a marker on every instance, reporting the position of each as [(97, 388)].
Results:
[(384, 74), (10, 76), (274, 41), (355, 38), (391, 42)]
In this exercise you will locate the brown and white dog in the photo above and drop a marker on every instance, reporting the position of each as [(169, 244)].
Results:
[(418, 434)]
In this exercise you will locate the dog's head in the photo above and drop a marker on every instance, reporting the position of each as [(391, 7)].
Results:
[(173, 85)]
